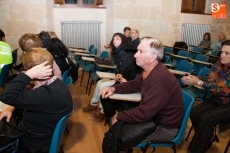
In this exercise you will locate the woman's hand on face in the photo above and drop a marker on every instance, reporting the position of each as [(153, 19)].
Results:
[(190, 80), (41, 71)]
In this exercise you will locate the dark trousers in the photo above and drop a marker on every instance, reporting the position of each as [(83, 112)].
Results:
[(205, 117), (110, 106)]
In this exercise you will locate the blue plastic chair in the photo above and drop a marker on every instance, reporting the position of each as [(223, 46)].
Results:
[(65, 74), (187, 103), (166, 59), (58, 134), (78, 58), (185, 66), (199, 94), (4, 74), (68, 81), (168, 51), (197, 66), (177, 60)]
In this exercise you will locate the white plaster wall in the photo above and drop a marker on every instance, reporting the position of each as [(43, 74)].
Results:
[(70, 14)]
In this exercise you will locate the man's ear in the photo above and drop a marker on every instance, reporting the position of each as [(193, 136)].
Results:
[(3, 39), (153, 57)]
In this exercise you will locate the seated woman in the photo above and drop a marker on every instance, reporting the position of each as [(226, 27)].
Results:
[(60, 53), (44, 105), (126, 70), (206, 42), (214, 110)]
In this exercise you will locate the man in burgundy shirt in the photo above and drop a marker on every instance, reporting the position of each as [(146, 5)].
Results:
[(160, 92)]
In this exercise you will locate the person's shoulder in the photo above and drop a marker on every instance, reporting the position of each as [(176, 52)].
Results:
[(2, 43)]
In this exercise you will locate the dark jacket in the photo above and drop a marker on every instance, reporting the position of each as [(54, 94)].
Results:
[(122, 59), (62, 63), (44, 107), (135, 42)]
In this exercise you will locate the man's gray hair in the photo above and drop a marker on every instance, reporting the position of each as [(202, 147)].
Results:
[(156, 47)]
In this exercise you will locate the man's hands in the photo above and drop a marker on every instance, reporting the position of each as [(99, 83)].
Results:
[(7, 113), (41, 71), (107, 91)]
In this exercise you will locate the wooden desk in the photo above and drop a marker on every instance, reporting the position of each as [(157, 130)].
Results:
[(106, 66), (178, 56), (83, 54), (212, 55), (105, 75), (79, 50), (178, 72), (3, 106), (133, 97), (169, 65), (199, 87), (201, 62), (90, 59), (192, 51)]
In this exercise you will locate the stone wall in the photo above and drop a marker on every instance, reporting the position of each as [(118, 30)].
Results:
[(22, 16)]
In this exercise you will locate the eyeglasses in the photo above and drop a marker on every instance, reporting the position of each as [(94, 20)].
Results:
[(226, 53)]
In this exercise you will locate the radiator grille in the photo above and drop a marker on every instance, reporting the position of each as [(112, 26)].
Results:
[(192, 34), (81, 33)]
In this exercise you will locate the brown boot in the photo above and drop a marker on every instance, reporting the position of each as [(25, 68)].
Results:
[(98, 116), (89, 108)]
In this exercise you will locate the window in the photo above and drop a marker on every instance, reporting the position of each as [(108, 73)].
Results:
[(79, 3), (193, 6)]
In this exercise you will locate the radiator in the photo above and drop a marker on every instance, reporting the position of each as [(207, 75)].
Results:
[(81, 33), (192, 34)]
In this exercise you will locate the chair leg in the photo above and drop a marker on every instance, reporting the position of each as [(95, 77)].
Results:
[(87, 84), (189, 133), (90, 87), (66, 130), (82, 76), (226, 149), (60, 150)]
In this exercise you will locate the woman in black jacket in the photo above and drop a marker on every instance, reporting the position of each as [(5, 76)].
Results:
[(126, 69), (60, 53)]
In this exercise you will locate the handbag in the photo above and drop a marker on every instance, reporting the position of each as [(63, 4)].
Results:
[(9, 133), (130, 134), (105, 61)]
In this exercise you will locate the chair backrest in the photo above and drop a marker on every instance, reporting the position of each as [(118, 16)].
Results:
[(185, 66), (65, 74), (58, 133), (203, 72), (4, 73), (166, 59), (104, 54), (188, 101), (183, 53), (201, 57), (94, 51), (91, 49), (68, 81), (197, 49), (167, 50)]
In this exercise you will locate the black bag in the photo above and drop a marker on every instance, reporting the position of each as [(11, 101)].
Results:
[(105, 61), (9, 133), (74, 70), (126, 135), (181, 45), (109, 144)]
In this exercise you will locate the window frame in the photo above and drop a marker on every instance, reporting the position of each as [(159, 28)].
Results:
[(61, 3)]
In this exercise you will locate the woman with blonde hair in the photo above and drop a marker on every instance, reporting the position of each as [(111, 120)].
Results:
[(44, 105)]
